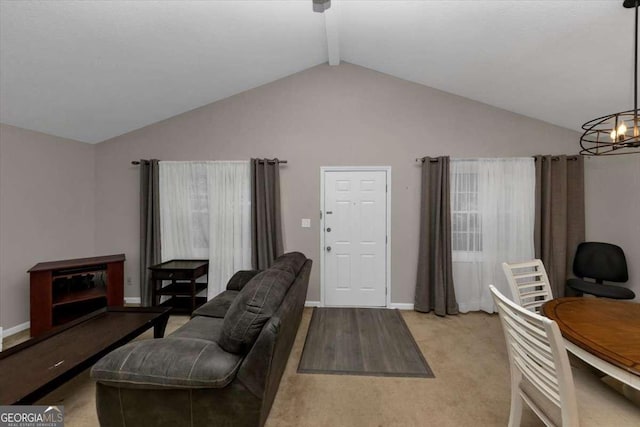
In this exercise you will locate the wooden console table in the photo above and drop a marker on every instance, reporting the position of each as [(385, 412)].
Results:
[(184, 288), (61, 291)]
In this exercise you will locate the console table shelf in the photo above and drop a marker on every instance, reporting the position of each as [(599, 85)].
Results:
[(61, 291), (65, 274), (181, 288), (183, 304), (78, 296)]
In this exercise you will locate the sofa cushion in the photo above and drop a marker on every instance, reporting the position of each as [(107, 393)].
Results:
[(240, 279), (218, 306), (291, 262), (202, 328), (252, 308), (172, 362)]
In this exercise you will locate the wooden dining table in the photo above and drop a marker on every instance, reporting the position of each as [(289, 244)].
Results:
[(604, 333)]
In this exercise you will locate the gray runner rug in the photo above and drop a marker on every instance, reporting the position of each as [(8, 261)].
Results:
[(361, 341)]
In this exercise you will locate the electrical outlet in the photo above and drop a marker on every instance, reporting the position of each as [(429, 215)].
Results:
[(129, 281), (306, 223)]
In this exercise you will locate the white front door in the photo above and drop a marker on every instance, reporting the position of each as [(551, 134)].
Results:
[(355, 238)]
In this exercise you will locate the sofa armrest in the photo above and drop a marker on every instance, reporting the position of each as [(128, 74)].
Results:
[(167, 363), (255, 368), (241, 278)]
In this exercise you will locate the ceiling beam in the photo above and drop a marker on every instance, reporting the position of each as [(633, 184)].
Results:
[(333, 34)]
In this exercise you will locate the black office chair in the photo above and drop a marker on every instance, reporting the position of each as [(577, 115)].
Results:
[(600, 261)]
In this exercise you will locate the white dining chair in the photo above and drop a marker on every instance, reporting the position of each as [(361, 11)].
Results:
[(529, 284), (540, 371)]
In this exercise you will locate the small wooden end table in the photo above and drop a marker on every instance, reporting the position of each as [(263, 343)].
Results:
[(184, 288)]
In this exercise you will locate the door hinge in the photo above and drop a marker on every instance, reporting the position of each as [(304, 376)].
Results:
[(320, 214), (386, 188)]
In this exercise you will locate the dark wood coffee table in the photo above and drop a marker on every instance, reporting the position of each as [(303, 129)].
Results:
[(34, 368)]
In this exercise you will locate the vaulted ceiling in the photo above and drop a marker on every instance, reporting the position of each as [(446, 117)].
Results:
[(92, 70)]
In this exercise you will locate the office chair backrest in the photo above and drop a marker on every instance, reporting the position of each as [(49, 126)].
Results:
[(529, 284), (600, 261), (540, 370)]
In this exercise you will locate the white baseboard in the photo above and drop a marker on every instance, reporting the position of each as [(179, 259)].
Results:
[(401, 306), (132, 300), (312, 303), (14, 330)]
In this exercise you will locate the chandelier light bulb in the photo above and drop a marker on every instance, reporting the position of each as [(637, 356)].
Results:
[(622, 129), (613, 135)]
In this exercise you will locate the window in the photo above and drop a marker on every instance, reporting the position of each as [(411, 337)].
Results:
[(205, 213), (199, 210), (466, 227), (492, 218)]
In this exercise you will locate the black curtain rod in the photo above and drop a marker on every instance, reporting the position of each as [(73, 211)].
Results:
[(422, 159), (433, 160), (137, 162), (272, 161), (558, 158)]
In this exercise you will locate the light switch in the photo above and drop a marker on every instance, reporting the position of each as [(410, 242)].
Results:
[(306, 223)]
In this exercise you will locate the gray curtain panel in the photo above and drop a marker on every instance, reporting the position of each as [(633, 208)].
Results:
[(266, 223), (434, 285), (149, 225), (559, 218)]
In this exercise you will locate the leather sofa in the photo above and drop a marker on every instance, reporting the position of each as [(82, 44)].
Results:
[(222, 368)]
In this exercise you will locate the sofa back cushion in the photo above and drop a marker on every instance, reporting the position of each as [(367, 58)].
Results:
[(258, 300), (291, 262), (240, 279), (218, 306)]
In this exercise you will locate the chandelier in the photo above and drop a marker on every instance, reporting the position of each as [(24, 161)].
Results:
[(617, 133)]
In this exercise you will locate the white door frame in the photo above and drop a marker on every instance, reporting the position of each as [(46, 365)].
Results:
[(386, 169)]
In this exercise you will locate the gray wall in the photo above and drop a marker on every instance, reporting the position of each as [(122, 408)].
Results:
[(53, 204), (612, 186), (324, 116), (46, 210)]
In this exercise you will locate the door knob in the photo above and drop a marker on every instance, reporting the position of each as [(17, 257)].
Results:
[(328, 248), (328, 229)]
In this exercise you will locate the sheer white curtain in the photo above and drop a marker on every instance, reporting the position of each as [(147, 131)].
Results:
[(229, 222), (493, 208), (205, 213), (184, 205)]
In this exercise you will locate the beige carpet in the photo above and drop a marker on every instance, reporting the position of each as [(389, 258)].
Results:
[(471, 388)]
